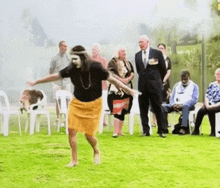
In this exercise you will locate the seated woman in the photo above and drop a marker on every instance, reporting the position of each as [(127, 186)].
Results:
[(210, 106), (120, 102)]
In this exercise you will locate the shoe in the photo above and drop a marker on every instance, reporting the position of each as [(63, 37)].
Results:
[(145, 134), (115, 135), (162, 135), (166, 131), (96, 159), (195, 133), (122, 134), (212, 134), (182, 132), (72, 164)]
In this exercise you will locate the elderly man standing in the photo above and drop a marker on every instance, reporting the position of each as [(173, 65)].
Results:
[(151, 69), (60, 61)]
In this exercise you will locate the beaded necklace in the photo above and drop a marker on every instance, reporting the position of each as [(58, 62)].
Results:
[(82, 81)]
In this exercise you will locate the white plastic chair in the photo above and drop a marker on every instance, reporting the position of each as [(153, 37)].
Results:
[(136, 111), (62, 96), (33, 116), (6, 112), (217, 124), (105, 110)]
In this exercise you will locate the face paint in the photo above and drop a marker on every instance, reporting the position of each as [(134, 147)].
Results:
[(75, 59)]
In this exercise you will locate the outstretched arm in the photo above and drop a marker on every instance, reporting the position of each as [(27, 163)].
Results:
[(49, 78), (122, 86)]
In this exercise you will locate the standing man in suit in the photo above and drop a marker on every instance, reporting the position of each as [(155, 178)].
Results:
[(151, 69)]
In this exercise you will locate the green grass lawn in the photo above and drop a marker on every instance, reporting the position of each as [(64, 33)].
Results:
[(127, 161)]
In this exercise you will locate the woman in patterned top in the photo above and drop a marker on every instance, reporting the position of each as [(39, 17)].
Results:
[(85, 108), (120, 102), (211, 105)]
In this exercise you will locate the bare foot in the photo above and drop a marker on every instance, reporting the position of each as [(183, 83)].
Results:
[(122, 134), (96, 158), (72, 164)]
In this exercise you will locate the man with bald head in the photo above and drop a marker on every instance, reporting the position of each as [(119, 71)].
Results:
[(151, 69)]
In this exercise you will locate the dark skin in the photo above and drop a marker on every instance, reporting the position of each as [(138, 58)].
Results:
[(184, 79)]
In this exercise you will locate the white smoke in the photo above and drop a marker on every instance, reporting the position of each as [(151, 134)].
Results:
[(86, 22)]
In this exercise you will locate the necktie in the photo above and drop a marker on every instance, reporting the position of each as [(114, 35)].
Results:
[(145, 59)]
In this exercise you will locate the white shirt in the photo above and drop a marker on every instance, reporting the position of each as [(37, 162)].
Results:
[(59, 62), (183, 94), (146, 56)]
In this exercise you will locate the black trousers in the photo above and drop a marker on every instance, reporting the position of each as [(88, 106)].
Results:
[(211, 114), (156, 100)]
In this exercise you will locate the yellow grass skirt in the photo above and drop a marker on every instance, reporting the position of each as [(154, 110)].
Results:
[(84, 116)]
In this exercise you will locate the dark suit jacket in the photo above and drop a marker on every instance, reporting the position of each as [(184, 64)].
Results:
[(151, 77)]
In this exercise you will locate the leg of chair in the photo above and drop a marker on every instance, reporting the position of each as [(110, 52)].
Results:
[(110, 121), (33, 120), (169, 118), (37, 128), (173, 115), (1, 124), (67, 124), (27, 121), (48, 122), (149, 119), (191, 121), (101, 122), (141, 127), (58, 123), (131, 123), (19, 124), (5, 124), (217, 124)]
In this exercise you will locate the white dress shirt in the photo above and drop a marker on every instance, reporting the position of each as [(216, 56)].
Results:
[(145, 55)]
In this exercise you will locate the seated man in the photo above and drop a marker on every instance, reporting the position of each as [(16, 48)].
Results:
[(184, 96)]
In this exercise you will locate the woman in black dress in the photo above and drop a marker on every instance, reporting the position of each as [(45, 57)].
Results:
[(166, 81)]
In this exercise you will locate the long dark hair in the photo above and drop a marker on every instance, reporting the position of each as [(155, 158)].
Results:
[(81, 52), (161, 44)]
